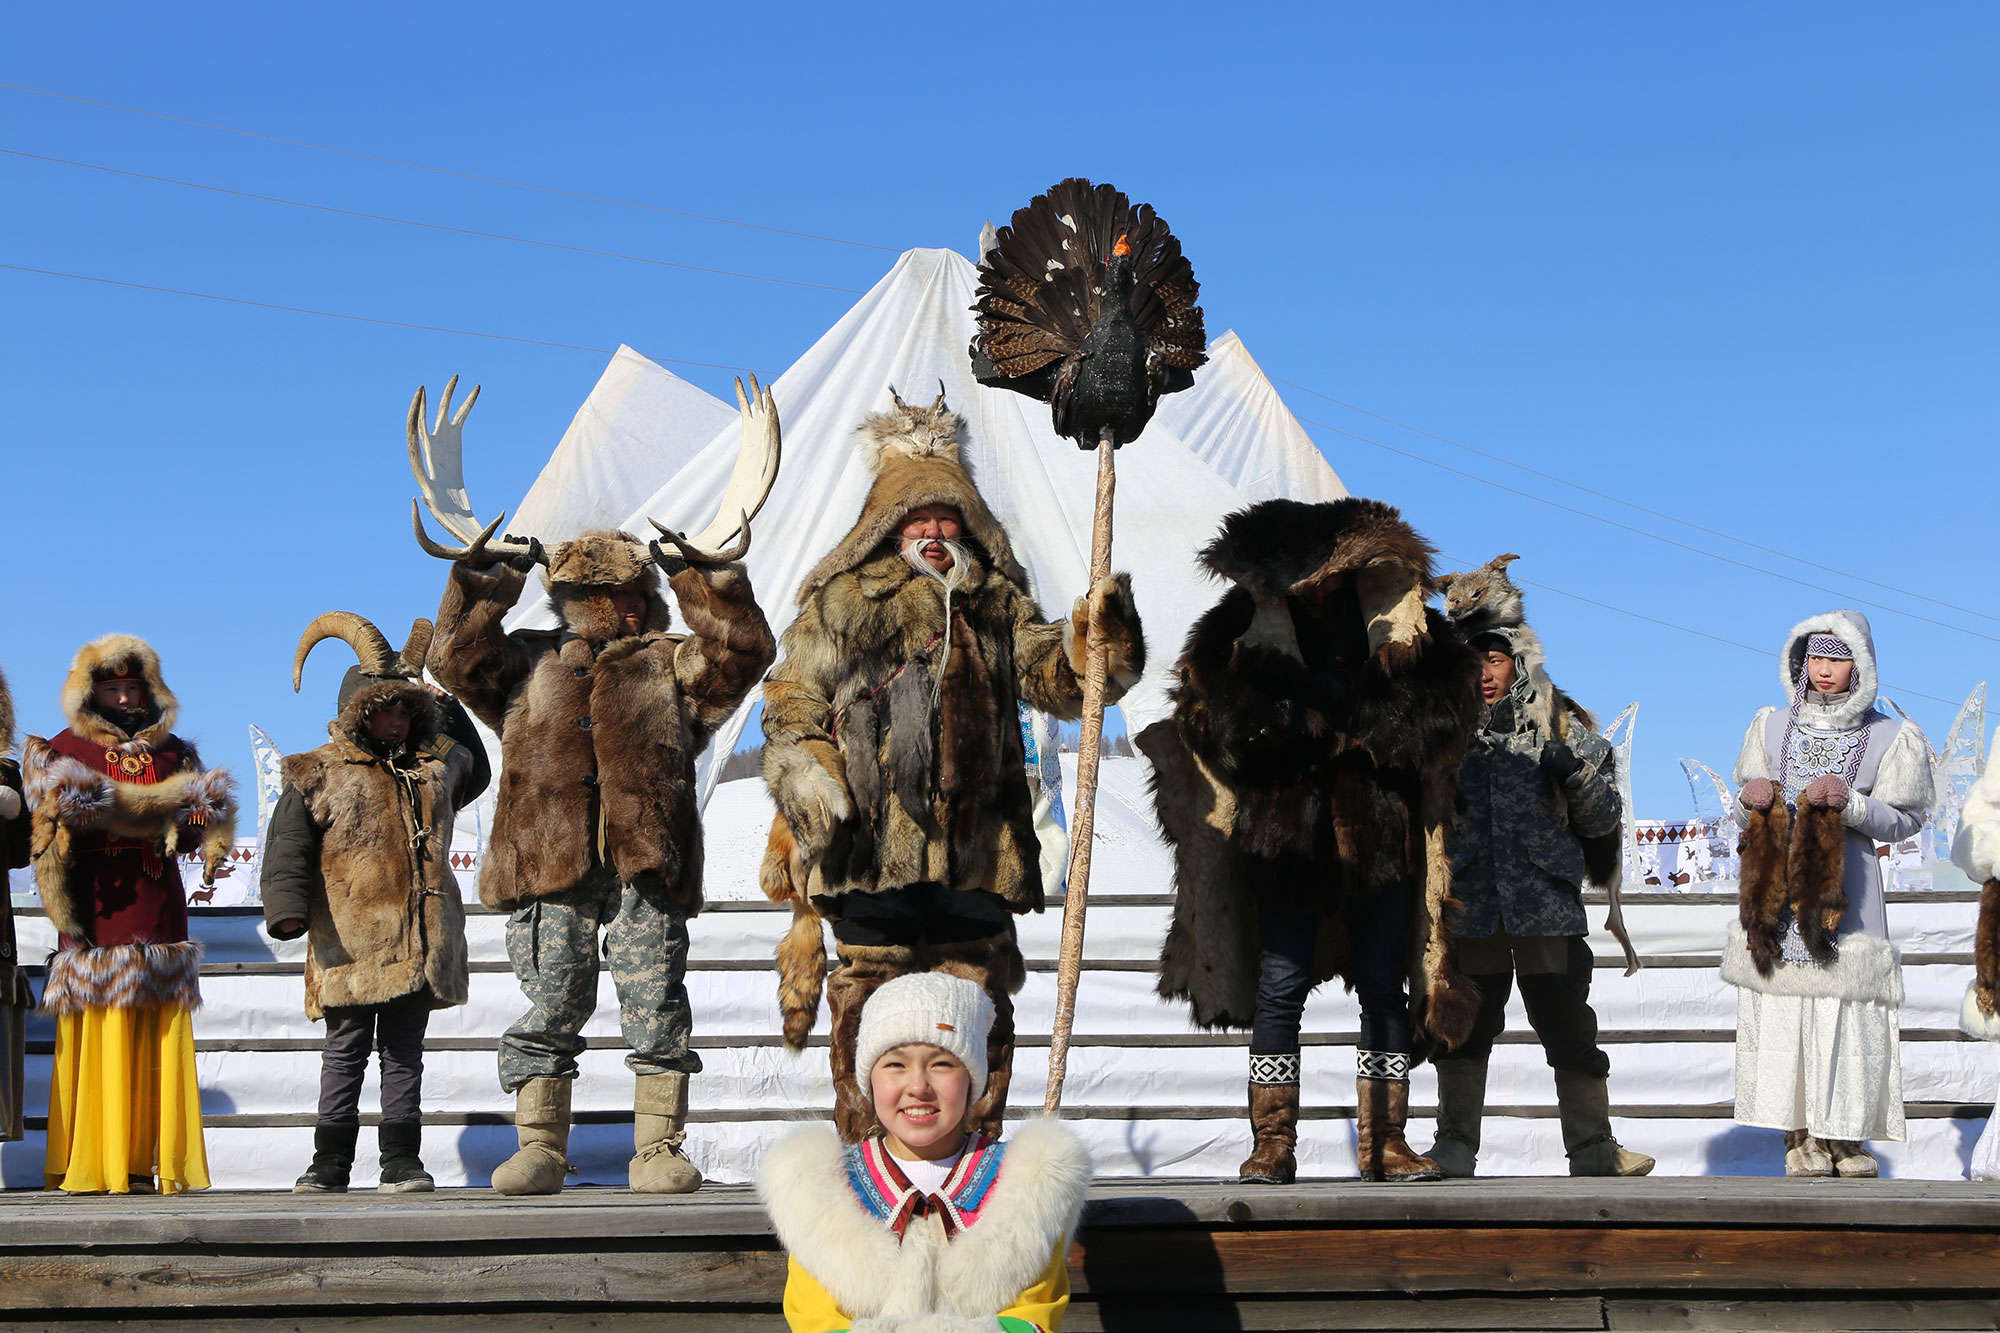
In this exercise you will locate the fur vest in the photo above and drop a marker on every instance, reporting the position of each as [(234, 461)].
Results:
[(1811, 918), (893, 741), (111, 812), (948, 1270), (361, 852), (1320, 719), (600, 736)]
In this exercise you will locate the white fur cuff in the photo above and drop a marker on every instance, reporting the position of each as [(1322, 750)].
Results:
[(1867, 969), (1973, 1022)]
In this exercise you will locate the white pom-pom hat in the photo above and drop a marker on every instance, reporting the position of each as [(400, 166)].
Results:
[(934, 1008)]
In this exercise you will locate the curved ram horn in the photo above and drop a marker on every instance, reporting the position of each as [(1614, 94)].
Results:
[(416, 648), (437, 461), (377, 657), (727, 536)]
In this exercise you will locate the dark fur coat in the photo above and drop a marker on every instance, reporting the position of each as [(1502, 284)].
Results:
[(600, 733), (1320, 719)]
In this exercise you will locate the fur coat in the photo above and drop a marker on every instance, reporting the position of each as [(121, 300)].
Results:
[(360, 850), (600, 731), (892, 737), (1009, 1257), (111, 812), (1976, 851), (1811, 918), (1320, 718)]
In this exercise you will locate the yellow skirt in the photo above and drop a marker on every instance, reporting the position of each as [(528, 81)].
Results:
[(123, 1102)]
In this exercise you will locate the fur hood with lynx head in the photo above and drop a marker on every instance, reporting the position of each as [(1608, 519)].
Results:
[(892, 735)]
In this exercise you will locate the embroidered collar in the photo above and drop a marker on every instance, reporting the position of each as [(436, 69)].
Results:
[(887, 1194)]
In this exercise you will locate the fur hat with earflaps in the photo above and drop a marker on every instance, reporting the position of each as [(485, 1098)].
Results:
[(916, 454), (583, 574), (934, 1008)]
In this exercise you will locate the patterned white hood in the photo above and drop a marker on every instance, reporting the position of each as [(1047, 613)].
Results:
[(1852, 628)]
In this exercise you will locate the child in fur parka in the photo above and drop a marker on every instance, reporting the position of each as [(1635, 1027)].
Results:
[(926, 1226), (1820, 987), (358, 855)]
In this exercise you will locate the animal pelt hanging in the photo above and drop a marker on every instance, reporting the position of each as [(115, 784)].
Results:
[(1320, 720), (1986, 951), (1794, 863)]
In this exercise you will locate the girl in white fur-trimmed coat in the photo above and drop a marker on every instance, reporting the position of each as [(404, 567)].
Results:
[(926, 1227), (1821, 781)]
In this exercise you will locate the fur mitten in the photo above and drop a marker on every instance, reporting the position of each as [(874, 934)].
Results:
[(1757, 794), (1110, 607)]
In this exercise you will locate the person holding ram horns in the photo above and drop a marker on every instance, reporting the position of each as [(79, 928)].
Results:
[(597, 826)]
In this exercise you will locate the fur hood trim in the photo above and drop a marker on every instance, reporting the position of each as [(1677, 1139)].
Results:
[(1852, 627), (109, 653), (363, 694), (123, 976), (1975, 1022), (1868, 968), (916, 454), (1033, 1206)]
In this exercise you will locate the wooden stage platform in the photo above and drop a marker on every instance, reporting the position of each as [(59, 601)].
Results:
[(1153, 1256)]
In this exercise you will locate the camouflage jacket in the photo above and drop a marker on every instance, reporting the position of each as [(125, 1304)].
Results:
[(1515, 860)]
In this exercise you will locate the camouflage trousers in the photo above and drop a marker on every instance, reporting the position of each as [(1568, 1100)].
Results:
[(553, 944)]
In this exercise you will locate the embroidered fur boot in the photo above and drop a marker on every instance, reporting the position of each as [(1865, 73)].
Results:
[(1806, 1155), (1274, 1130), (1461, 1109), (1584, 1103), (659, 1126), (541, 1123), (1381, 1110), (333, 1158)]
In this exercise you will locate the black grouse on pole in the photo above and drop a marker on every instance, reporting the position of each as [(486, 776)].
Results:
[(1087, 303)]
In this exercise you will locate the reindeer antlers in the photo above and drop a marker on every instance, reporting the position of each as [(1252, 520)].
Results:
[(727, 536), (437, 461)]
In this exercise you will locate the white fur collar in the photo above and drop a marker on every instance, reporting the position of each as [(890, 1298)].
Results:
[(1033, 1205), (1851, 627)]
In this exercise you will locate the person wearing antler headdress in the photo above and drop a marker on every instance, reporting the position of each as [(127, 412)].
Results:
[(16, 997), (116, 798), (597, 827), (1821, 781), (357, 857), (893, 747)]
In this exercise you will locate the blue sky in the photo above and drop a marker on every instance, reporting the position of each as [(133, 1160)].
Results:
[(1732, 263)]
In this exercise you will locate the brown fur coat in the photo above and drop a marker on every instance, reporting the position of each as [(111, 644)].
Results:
[(361, 852), (1320, 719), (600, 735)]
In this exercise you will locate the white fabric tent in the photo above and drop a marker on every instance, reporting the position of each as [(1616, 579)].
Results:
[(912, 331)]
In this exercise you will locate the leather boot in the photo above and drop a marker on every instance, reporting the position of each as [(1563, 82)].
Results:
[(1274, 1129), (1851, 1158), (333, 1158), (1806, 1155), (659, 1121), (1584, 1102), (541, 1123), (1461, 1109), (402, 1169), (1381, 1109)]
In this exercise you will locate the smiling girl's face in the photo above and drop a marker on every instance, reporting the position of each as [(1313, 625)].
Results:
[(921, 1094)]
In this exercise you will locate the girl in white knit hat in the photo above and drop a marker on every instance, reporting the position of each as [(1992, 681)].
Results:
[(926, 1227)]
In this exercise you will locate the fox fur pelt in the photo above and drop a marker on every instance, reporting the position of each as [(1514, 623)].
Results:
[(1792, 861), (1267, 776)]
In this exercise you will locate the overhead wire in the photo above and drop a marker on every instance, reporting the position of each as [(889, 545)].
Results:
[(445, 171), (427, 226), (1632, 504)]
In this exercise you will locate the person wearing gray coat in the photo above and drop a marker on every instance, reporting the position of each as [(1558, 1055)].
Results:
[(1532, 792)]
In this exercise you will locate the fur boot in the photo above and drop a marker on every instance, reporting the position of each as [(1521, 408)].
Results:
[(1460, 1112), (402, 1168), (1806, 1155), (333, 1158), (861, 971), (541, 1123), (998, 968), (659, 1127), (1274, 1129), (1381, 1110), (1584, 1101), (1851, 1159)]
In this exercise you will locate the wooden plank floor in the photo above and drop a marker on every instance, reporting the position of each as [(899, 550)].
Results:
[(1492, 1254)]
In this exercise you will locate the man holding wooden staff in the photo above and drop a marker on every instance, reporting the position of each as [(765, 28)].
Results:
[(893, 745)]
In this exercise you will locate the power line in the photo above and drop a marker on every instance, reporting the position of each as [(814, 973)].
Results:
[(1650, 536), (356, 319), (445, 171), (1631, 504), (427, 226)]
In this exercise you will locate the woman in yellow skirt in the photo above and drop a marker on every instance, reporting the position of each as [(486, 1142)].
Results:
[(115, 798)]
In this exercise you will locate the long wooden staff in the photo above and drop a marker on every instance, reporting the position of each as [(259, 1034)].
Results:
[(1096, 666)]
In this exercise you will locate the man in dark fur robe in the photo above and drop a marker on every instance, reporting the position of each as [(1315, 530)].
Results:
[(1306, 780), (893, 746)]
